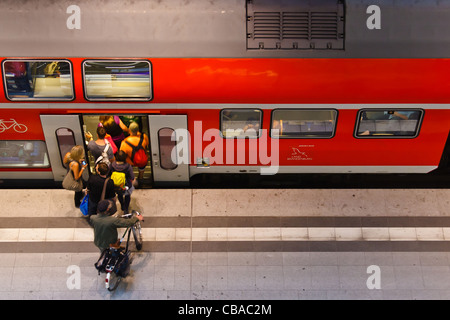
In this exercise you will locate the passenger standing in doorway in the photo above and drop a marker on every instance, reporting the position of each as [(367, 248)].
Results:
[(121, 165), (98, 146), (115, 128), (95, 186), (74, 162), (133, 140)]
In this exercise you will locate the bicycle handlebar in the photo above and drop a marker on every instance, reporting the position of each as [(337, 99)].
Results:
[(133, 212)]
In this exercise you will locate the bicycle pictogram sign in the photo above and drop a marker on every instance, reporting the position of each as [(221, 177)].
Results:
[(12, 123)]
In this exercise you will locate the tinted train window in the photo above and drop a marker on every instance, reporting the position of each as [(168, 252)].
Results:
[(117, 80), (23, 154), (66, 141), (303, 123), (388, 123), (167, 146), (38, 80), (241, 123)]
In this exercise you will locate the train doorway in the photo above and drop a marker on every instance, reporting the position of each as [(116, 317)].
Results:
[(92, 122), (168, 163)]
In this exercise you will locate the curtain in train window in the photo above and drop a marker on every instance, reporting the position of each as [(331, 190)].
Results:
[(23, 154), (38, 80), (240, 123), (303, 123), (388, 123), (117, 80)]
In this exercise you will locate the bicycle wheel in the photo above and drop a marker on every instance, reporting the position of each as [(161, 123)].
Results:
[(20, 128), (113, 281), (137, 235)]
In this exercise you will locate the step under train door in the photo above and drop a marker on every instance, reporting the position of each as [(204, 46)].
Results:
[(169, 144), (61, 132)]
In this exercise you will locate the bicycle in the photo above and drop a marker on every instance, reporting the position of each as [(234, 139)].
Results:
[(116, 260), (136, 229)]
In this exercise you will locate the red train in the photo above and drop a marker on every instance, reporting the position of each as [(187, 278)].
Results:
[(337, 109)]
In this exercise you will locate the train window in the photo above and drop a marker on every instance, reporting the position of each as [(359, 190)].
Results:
[(240, 123), (117, 80), (388, 123), (166, 148), (38, 79), (303, 123), (23, 154), (66, 141)]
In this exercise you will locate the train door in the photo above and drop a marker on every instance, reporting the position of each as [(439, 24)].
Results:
[(61, 132), (170, 161)]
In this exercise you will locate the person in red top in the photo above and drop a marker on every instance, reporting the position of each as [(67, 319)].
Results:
[(134, 138)]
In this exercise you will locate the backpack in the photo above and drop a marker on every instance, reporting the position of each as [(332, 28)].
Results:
[(104, 157), (119, 180), (52, 68), (138, 156)]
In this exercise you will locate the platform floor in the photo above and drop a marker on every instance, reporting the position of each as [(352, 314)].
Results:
[(249, 244)]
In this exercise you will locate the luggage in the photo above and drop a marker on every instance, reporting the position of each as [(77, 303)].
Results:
[(84, 205), (104, 156), (69, 182), (114, 259), (119, 179)]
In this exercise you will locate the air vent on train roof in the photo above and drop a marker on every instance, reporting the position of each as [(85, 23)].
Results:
[(295, 24)]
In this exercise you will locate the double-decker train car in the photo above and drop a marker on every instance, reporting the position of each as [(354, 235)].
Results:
[(262, 87)]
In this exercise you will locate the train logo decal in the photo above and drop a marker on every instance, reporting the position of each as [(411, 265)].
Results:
[(12, 124), (299, 154)]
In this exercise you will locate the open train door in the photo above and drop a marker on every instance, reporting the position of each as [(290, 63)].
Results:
[(169, 144), (61, 132)]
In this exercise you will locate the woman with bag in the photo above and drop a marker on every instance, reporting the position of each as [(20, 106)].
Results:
[(122, 166), (74, 160), (100, 146), (100, 187)]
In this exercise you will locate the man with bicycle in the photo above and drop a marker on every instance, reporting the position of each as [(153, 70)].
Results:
[(105, 225)]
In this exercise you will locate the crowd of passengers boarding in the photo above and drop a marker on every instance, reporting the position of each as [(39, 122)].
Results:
[(116, 150)]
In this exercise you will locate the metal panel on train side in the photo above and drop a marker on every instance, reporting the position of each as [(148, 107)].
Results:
[(169, 145), (50, 125)]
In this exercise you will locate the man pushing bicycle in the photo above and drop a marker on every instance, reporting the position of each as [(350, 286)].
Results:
[(105, 225)]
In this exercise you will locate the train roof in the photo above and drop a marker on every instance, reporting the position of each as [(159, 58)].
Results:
[(226, 28)]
